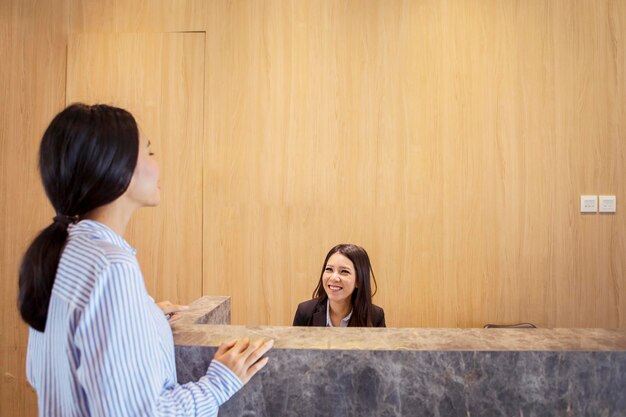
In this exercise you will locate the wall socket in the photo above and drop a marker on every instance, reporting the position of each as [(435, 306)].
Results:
[(608, 204), (588, 203)]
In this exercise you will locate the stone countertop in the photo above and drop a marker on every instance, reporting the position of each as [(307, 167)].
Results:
[(195, 329), (338, 372)]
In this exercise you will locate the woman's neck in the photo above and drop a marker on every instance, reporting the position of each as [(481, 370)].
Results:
[(339, 310), (115, 215)]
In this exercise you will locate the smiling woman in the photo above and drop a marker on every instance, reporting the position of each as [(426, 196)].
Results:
[(343, 296)]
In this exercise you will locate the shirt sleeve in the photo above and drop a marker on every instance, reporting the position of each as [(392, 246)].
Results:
[(121, 368)]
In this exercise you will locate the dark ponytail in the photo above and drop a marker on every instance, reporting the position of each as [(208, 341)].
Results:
[(86, 159)]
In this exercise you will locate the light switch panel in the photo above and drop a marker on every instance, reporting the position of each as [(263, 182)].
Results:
[(608, 204), (588, 203)]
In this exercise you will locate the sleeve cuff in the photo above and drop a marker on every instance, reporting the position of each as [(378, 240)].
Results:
[(223, 380)]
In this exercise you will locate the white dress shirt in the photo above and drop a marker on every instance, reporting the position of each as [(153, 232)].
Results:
[(344, 321)]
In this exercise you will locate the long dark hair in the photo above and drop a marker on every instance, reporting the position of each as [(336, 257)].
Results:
[(362, 294), (86, 159)]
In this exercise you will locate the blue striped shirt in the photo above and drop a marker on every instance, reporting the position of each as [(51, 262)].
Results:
[(107, 349)]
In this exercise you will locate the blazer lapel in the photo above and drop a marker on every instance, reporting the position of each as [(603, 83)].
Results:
[(319, 315)]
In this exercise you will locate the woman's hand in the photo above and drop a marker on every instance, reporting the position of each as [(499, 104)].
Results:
[(243, 357), (170, 310)]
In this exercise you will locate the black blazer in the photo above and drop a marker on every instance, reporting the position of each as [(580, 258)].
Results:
[(313, 313)]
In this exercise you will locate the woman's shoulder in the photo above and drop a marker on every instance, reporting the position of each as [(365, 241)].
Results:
[(378, 316), (95, 240), (309, 305), (308, 313), (377, 309), (88, 250)]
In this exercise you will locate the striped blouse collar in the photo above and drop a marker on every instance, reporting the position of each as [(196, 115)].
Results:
[(100, 231)]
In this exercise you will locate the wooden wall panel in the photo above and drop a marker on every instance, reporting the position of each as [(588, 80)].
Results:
[(451, 139), (303, 99), (32, 51), (160, 79), (126, 16)]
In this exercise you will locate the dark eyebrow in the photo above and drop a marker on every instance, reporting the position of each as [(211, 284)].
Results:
[(340, 266)]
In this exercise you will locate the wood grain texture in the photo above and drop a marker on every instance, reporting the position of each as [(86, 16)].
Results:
[(160, 79), (33, 38), (137, 16), (451, 139)]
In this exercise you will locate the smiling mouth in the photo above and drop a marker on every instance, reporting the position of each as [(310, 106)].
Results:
[(334, 288)]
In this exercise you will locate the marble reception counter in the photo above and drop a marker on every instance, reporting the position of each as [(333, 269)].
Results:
[(413, 372)]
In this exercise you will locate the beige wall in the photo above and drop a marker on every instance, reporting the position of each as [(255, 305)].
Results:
[(451, 139), (159, 78), (33, 39)]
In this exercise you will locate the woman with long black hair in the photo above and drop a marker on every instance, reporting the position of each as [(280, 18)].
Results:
[(343, 296), (98, 344)]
